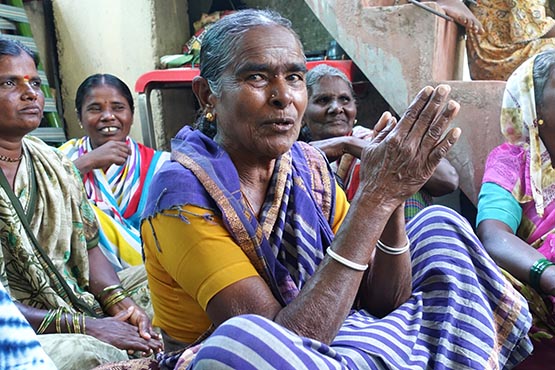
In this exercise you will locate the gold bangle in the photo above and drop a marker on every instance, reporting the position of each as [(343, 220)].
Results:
[(67, 322), (76, 326), (109, 289), (114, 299), (59, 313), (84, 319)]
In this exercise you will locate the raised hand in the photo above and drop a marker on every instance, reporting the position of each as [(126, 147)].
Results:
[(112, 152), (404, 155)]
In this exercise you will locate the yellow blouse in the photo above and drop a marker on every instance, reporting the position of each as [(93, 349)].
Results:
[(192, 261)]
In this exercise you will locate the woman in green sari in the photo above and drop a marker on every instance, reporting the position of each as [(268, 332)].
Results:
[(50, 263)]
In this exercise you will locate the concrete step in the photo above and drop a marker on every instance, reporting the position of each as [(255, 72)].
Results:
[(402, 48)]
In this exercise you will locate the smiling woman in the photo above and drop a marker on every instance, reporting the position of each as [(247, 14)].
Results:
[(114, 167)]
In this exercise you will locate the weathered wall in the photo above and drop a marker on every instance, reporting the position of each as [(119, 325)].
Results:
[(313, 35), (401, 49), (114, 36)]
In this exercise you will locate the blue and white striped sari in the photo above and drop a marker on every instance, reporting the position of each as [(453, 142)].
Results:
[(462, 315)]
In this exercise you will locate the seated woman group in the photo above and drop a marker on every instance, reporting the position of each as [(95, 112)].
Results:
[(328, 124), (116, 170), (50, 263), (251, 245)]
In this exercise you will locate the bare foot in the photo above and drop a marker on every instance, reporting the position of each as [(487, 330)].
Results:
[(457, 10)]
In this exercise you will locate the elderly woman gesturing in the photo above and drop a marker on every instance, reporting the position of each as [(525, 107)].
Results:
[(247, 232)]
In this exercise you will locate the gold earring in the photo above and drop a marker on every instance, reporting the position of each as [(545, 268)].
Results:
[(540, 122), (209, 117)]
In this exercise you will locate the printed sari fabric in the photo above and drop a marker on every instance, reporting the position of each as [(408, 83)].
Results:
[(462, 314), (514, 31), (522, 166), (119, 197), (347, 169), (57, 274)]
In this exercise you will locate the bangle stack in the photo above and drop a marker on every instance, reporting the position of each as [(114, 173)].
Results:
[(75, 323), (346, 262), (536, 272), (393, 251), (114, 297), (47, 320), (109, 289)]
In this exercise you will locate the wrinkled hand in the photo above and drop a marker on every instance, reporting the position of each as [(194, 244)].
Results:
[(404, 155), (111, 152), (121, 334)]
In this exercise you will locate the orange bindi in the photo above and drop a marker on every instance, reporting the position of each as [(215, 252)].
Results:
[(26, 78)]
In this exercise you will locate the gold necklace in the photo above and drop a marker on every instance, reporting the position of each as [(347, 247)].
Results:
[(4, 158)]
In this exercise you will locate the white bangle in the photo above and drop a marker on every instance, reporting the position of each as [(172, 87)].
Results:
[(393, 251), (346, 262)]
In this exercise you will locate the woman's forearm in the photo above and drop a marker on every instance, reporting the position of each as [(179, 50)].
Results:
[(509, 251), (388, 282), (324, 302), (101, 273), (443, 181)]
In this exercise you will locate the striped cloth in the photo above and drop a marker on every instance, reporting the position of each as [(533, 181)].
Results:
[(19, 348), (462, 315), (119, 197)]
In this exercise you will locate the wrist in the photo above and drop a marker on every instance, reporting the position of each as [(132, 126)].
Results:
[(373, 201), (123, 305), (116, 301), (547, 281), (539, 275)]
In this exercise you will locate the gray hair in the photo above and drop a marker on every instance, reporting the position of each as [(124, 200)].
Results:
[(543, 65), (222, 39), (314, 75), (220, 44)]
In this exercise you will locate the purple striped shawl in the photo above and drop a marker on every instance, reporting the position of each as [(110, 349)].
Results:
[(287, 250)]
